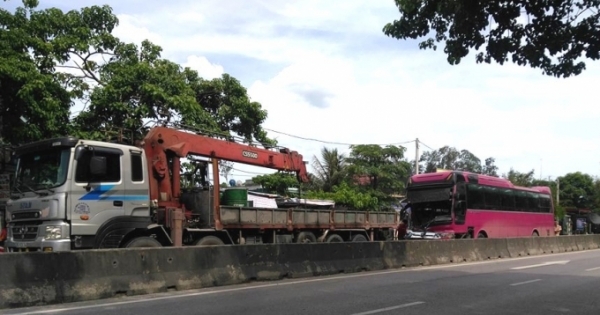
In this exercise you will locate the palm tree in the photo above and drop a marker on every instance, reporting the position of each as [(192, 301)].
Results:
[(331, 169)]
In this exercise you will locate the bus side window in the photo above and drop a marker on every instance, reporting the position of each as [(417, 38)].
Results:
[(508, 200), (533, 202), (521, 201), (492, 198), (475, 197), (545, 203)]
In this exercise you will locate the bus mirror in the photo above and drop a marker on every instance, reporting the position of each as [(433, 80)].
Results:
[(98, 166)]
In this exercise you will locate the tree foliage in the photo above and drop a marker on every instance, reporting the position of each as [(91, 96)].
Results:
[(52, 59), (330, 170), (35, 100), (452, 159), (382, 169), (138, 84), (346, 195), (520, 179), (277, 182), (577, 190), (550, 35)]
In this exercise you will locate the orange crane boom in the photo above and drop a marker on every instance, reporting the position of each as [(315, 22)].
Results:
[(165, 146)]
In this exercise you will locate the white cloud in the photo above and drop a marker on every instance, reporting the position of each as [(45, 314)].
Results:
[(341, 79), (204, 67), (132, 28)]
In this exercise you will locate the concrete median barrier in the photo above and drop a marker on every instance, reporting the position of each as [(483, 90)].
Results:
[(29, 279)]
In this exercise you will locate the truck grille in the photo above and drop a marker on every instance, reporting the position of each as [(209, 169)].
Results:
[(25, 233), (26, 215)]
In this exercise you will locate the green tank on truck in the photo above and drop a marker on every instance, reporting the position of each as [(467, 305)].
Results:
[(71, 193)]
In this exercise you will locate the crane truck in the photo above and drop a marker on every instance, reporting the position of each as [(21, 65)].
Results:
[(72, 194)]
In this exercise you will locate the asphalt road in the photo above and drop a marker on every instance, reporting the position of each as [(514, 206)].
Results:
[(549, 284)]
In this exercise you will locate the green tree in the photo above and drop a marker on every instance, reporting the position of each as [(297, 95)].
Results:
[(347, 196), (575, 185), (384, 169), (52, 58), (137, 84), (34, 99), (450, 158), (490, 168), (277, 182), (596, 200), (330, 169), (227, 102), (553, 38), (520, 179)]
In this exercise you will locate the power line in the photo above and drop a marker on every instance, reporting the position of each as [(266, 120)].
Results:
[(247, 172), (421, 142), (332, 142)]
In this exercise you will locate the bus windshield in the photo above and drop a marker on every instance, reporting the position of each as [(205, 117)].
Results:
[(430, 205), (42, 169), (425, 214)]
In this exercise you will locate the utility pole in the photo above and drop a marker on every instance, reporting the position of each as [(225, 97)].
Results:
[(417, 156)]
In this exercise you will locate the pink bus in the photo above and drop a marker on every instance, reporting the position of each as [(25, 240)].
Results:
[(454, 204)]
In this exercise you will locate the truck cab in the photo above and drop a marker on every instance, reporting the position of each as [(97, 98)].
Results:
[(70, 193)]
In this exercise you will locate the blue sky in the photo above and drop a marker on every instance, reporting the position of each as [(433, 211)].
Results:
[(325, 70)]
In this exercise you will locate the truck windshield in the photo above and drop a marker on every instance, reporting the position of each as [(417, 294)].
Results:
[(42, 169)]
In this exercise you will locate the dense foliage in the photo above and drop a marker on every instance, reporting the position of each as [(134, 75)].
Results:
[(553, 36), (51, 60)]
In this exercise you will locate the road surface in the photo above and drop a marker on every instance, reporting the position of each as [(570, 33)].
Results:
[(567, 283)]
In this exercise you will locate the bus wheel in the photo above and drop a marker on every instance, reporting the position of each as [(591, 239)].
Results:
[(143, 241), (334, 238), (210, 241), (306, 237), (535, 234), (359, 238), (481, 235)]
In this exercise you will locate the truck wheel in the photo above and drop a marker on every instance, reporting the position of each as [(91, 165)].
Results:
[(306, 237), (334, 238), (143, 241), (359, 238), (209, 241)]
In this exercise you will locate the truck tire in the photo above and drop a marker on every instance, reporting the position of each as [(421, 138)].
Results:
[(143, 241), (359, 238), (334, 238), (209, 241), (306, 237)]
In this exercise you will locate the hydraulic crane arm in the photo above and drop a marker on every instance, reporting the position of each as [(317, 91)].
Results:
[(162, 141)]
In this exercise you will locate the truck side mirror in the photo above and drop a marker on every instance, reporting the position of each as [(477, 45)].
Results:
[(98, 166)]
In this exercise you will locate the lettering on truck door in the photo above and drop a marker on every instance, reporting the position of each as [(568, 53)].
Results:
[(96, 200)]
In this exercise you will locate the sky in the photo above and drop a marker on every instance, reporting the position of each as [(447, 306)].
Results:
[(325, 70)]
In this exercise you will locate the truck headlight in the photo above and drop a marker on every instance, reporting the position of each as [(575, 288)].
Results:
[(53, 232)]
